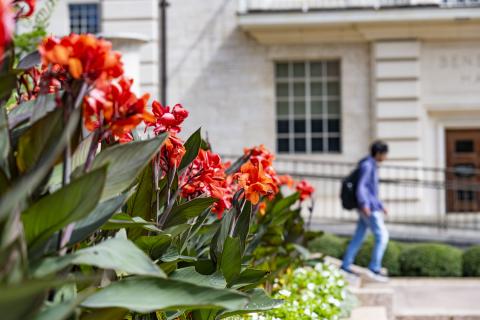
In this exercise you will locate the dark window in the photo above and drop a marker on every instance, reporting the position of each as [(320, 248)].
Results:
[(84, 18), (464, 146)]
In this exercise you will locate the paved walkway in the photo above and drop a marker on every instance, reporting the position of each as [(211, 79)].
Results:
[(459, 298)]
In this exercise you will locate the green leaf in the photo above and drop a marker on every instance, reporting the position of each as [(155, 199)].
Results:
[(25, 110), (104, 314), (250, 277), (116, 254), (8, 82), (231, 262), (4, 143), (124, 221), (42, 134), (71, 203), (60, 311), (23, 300), (259, 301), (126, 162), (154, 246), (29, 61), (188, 210), (147, 294), (285, 203), (190, 275), (192, 147), (141, 202), (97, 218), (216, 247), (243, 224), (80, 155)]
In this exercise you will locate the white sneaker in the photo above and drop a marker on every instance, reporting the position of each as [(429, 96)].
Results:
[(377, 276)]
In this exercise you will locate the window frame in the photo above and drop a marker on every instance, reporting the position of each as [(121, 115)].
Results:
[(98, 6), (325, 100)]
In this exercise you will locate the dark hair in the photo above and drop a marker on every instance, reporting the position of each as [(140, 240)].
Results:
[(378, 147)]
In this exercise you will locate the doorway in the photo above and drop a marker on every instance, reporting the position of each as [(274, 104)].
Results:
[(463, 163)]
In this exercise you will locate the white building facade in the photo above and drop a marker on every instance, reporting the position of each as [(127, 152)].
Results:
[(315, 79)]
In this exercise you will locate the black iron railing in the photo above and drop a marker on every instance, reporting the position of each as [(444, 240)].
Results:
[(443, 198)]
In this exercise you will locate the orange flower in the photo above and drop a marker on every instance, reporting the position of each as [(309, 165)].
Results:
[(172, 152), (115, 109), (255, 182), (305, 189), (286, 180), (206, 175), (262, 208), (84, 56), (260, 154)]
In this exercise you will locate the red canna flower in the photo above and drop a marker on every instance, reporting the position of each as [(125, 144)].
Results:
[(262, 208), (84, 56), (7, 25), (26, 8), (255, 182), (115, 109), (260, 154), (37, 81), (206, 176), (172, 152), (305, 189), (166, 120)]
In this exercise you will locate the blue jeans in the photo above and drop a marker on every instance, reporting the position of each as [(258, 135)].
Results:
[(376, 224)]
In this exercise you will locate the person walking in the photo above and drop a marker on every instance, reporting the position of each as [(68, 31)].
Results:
[(370, 212)]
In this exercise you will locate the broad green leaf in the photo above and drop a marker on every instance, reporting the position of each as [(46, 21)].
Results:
[(104, 314), (126, 161), (192, 147), (80, 155), (96, 218), (42, 134), (243, 224), (71, 203), (60, 311), (249, 277), (285, 203), (4, 182), (154, 246), (141, 202), (218, 241), (190, 275), (148, 294), (124, 221), (8, 82), (116, 254), (25, 110), (188, 210), (4, 143), (173, 255), (29, 61), (23, 300), (231, 262), (259, 301)]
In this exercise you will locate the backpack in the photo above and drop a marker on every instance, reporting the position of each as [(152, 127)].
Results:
[(348, 192)]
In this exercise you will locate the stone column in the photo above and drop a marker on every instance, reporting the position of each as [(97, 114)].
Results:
[(398, 112), (137, 17)]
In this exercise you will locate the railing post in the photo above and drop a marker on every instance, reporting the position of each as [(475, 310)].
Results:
[(242, 6)]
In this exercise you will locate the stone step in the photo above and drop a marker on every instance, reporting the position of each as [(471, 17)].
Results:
[(369, 313), (376, 297)]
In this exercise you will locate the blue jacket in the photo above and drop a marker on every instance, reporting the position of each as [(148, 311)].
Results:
[(367, 187)]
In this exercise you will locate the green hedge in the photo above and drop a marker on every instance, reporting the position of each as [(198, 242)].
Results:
[(329, 245), (390, 259), (471, 262), (431, 260)]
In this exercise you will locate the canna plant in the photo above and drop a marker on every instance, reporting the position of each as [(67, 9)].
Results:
[(100, 219)]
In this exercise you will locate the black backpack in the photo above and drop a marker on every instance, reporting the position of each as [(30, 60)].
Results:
[(348, 193)]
